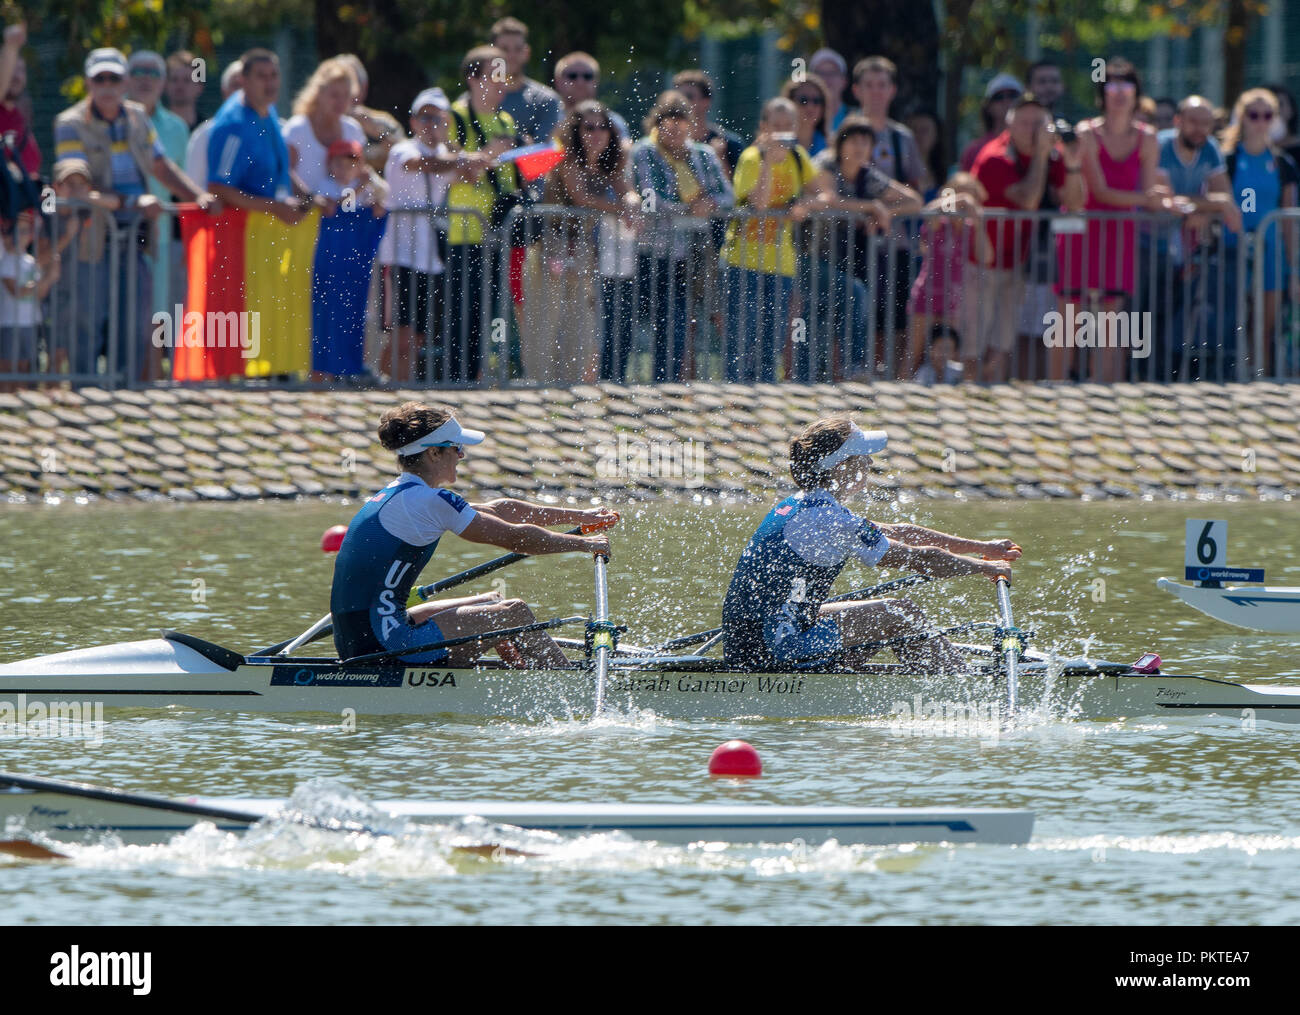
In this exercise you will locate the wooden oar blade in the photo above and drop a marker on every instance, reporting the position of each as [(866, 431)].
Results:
[(25, 850)]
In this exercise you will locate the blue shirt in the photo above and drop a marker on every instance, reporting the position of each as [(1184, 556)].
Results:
[(1189, 180), (1263, 176), (790, 564), (247, 151), (388, 544)]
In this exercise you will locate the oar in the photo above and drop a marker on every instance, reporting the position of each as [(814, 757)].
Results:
[(1010, 643), (505, 632), (478, 571), (863, 593), (324, 627), (602, 636), (228, 815)]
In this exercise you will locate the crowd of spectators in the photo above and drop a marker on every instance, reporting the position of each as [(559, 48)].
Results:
[(834, 241)]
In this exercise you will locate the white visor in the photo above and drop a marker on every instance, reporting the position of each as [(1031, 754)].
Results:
[(857, 443), (445, 436)]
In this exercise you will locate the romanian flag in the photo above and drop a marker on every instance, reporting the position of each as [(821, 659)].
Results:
[(246, 263), (535, 160), (345, 257)]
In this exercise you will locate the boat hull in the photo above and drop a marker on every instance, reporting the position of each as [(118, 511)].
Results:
[(72, 819), (1254, 607), (190, 681)]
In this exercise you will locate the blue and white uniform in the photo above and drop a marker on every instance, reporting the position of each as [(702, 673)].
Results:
[(388, 544), (770, 616)]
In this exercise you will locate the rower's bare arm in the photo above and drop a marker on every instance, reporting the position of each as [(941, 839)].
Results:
[(521, 512), (918, 535), (938, 562), (530, 539)]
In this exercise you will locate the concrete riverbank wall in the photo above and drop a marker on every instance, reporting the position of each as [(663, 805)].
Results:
[(699, 440)]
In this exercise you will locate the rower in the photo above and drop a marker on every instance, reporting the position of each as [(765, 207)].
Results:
[(394, 535), (775, 613)]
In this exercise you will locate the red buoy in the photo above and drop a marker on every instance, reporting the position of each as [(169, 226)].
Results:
[(333, 538), (735, 757)]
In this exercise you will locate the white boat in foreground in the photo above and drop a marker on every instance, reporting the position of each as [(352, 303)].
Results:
[(1255, 607), (67, 811), (182, 671)]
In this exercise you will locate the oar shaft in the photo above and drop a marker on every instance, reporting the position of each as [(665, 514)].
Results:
[(602, 636), (1010, 644)]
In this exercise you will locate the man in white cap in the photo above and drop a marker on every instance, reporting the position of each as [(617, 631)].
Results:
[(999, 96), (114, 136), (394, 536), (776, 613), (827, 64), (419, 171)]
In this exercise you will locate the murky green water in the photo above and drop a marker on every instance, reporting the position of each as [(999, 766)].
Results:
[(1183, 821)]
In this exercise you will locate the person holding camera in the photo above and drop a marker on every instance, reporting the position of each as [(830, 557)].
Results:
[(759, 255)]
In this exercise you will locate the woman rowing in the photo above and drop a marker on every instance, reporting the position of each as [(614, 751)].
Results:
[(394, 536), (776, 613)]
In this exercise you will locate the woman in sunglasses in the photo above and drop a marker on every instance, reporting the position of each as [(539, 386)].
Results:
[(1265, 174), (810, 97), (394, 535), (1120, 161)]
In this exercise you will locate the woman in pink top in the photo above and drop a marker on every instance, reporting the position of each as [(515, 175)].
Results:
[(1120, 159), (950, 237)]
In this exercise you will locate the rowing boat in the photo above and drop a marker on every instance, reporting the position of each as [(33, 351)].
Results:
[(71, 812), (179, 670), (1275, 609)]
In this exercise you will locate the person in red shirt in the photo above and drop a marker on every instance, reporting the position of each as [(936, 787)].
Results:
[(13, 82), (1016, 168)]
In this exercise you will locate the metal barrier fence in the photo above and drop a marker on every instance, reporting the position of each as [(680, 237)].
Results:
[(564, 295)]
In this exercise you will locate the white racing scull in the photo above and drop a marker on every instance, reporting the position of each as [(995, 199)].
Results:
[(67, 811), (183, 671)]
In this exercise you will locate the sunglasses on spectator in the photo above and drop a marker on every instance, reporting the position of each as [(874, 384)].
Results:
[(691, 96), (427, 117), (591, 126), (1121, 86), (1006, 95), (146, 72), (107, 79), (580, 75), (810, 100), (1260, 114)]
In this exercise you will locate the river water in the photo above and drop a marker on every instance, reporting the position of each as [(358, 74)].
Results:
[(1183, 820)]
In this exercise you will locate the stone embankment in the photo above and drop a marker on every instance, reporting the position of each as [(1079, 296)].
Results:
[(1013, 441)]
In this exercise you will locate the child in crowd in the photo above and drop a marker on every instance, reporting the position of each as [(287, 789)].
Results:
[(954, 244), (22, 288), (941, 365), (73, 340), (349, 176), (418, 171)]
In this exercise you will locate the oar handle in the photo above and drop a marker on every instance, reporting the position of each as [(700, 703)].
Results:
[(598, 526)]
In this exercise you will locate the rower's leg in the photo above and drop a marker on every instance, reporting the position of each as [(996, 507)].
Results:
[(873, 620), (537, 648)]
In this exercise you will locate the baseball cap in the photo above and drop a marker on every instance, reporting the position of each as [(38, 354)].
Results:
[(1002, 83), (106, 60), (344, 147), (826, 53), (70, 167), (147, 58), (435, 97)]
